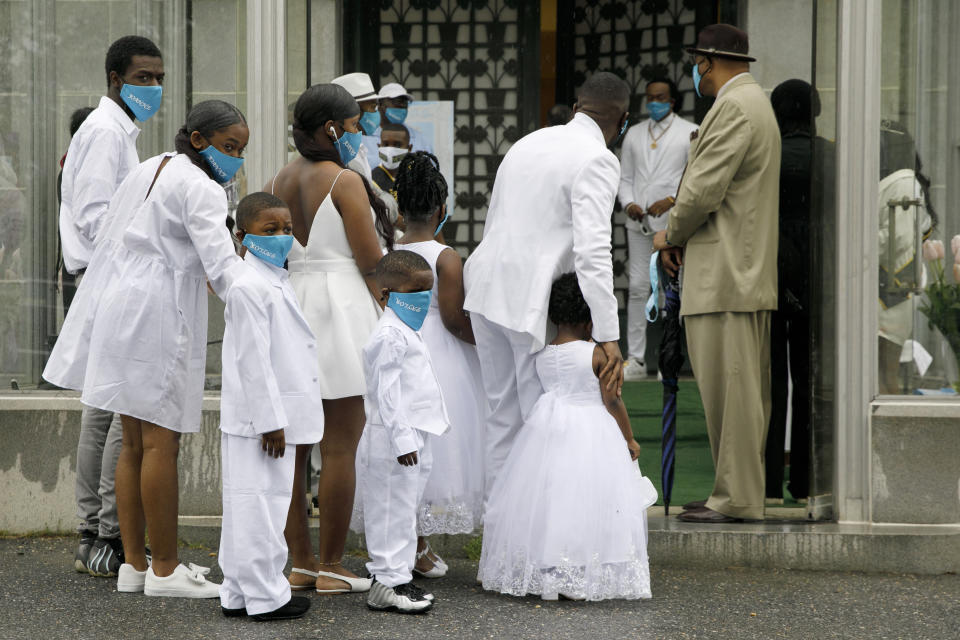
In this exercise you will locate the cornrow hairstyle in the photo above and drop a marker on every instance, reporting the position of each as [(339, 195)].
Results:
[(421, 188), (251, 206), (397, 266), (121, 52), (567, 305), (207, 118), (317, 105)]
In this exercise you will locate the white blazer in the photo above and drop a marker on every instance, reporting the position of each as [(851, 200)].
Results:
[(550, 213), (403, 392), (270, 365), (647, 174)]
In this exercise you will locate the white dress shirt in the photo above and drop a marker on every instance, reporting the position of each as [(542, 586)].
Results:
[(550, 213), (402, 389), (270, 364), (648, 174), (101, 154)]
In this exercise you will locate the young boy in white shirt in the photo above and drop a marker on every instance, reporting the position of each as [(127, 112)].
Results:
[(270, 399), (405, 409)]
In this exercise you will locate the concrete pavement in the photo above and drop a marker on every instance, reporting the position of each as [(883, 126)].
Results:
[(43, 598)]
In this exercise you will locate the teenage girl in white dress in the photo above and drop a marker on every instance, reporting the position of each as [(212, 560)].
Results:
[(567, 512), (136, 336), (331, 269), (453, 498)]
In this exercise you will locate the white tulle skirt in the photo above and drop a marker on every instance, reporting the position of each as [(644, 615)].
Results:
[(567, 514)]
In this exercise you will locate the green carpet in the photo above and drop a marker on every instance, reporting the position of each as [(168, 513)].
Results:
[(693, 467)]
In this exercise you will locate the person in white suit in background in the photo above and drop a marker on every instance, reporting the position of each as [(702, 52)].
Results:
[(270, 397), (652, 161), (550, 213)]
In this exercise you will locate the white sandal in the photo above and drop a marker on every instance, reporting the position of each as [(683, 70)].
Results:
[(303, 587), (438, 570), (357, 585)]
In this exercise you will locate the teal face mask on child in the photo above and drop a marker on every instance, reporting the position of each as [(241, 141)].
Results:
[(272, 249), (412, 308)]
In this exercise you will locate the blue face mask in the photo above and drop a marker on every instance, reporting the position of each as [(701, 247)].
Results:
[(442, 222), (370, 121), (143, 101), (273, 249), (696, 79), (412, 308), (223, 166), (658, 110), (348, 145), (396, 115)]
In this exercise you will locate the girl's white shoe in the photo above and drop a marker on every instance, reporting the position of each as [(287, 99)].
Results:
[(184, 582), (129, 580), (439, 568)]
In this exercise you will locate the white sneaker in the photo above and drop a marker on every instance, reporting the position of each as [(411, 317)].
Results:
[(634, 370), (129, 580), (182, 583), (403, 598)]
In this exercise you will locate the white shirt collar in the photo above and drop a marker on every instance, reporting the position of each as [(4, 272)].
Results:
[(727, 83), (120, 116), (663, 124), (587, 122)]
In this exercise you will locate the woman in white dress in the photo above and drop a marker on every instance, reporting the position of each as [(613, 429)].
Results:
[(331, 269), (453, 498), (135, 339), (567, 514)]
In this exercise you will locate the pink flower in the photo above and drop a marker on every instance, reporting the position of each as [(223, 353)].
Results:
[(956, 273), (930, 250), (938, 245), (955, 247)]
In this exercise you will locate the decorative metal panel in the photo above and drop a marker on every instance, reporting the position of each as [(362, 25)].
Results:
[(470, 52), (638, 40)]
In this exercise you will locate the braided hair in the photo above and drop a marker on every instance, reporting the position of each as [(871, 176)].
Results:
[(207, 118), (317, 105), (567, 305), (421, 188)]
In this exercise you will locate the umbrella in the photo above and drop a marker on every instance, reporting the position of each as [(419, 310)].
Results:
[(671, 359)]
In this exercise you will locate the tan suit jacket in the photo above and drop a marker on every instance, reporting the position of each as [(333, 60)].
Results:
[(726, 210)]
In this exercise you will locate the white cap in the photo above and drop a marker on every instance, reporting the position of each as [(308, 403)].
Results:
[(394, 90), (358, 84)]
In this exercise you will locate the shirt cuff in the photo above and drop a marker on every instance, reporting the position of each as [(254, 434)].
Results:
[(404, 441)]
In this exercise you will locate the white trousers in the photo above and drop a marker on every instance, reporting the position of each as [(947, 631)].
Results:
[(640, 248), (511, 384), (253, 553), (391, 493)]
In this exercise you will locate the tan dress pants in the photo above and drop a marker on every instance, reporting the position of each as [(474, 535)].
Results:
[(730, 354)]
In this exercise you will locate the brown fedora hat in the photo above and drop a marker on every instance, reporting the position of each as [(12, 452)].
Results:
[(723, 41)]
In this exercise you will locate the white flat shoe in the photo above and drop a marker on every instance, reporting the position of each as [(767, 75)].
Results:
[(438, 570), (357, 585), (129, 580), (304, 587), (184, 582)]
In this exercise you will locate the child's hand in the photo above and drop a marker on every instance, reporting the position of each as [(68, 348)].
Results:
[(408, 459), (274, 443), (634, 448)]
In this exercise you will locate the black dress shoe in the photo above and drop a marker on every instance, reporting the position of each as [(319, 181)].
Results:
[(706, 516), (696, 504), (233, 613), (297, 606)]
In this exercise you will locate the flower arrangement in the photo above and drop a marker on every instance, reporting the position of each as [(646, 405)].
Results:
[(942, 303)]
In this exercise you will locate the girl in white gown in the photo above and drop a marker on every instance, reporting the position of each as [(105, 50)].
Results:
[(567, 513), (453, 498)]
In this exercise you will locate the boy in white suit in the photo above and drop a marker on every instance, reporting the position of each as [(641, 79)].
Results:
[(269, 399), (405, 409)]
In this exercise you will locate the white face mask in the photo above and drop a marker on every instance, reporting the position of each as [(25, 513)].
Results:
[(390, 157)]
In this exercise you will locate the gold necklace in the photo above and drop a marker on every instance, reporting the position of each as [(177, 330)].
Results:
[(653, 145)]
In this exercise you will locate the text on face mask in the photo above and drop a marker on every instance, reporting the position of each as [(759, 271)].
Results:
[(407, 305)]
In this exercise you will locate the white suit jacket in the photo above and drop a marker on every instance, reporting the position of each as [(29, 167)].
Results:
[(550, 213), (648, 175), (100, 156), (403, 392), (270, 364)]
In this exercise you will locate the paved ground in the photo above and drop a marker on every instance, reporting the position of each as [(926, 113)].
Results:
[(43, 598)]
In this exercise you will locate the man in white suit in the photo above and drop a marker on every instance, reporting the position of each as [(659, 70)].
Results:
[(550, 213)]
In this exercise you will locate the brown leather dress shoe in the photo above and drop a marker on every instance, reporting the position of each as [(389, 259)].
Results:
[(706, 516), (696, 504)]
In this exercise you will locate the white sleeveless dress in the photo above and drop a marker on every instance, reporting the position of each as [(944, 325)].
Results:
[(453, 498), (568, 512), (335, 301)]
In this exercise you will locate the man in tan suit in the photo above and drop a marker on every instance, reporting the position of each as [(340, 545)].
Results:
[(723, 228)]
